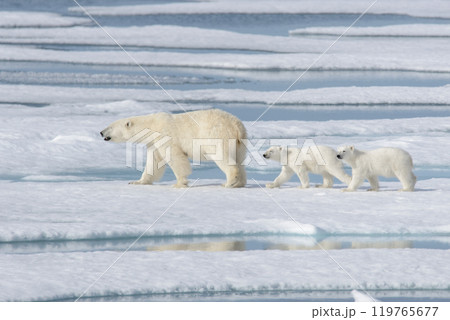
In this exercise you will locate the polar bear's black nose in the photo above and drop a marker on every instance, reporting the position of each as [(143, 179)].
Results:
[(265, 155), (339, 156)]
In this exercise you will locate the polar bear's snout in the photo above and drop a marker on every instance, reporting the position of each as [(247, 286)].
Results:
[(271, 153), (104, 135)]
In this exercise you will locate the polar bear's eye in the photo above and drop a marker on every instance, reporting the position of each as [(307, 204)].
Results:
[(129, 124)]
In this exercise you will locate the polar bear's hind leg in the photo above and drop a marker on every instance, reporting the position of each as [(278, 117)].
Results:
[(327, 181), (234, 175), (373, 180), (408, 180)]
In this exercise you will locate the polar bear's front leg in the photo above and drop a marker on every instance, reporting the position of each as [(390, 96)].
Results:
[(181, 183), (181, 167), (304, 177), (357, 180), (284, 176), (341, 175), (145, 179), (154, 169)]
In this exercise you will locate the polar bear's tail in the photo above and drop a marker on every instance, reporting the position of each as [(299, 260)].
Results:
[(241, 154)]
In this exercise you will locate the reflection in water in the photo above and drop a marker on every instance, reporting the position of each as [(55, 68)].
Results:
[(202, 246), (266, 245), (231, 243)]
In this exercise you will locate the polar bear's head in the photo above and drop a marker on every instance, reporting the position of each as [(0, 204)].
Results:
[(273, 153), (121, 130), (345, 153)]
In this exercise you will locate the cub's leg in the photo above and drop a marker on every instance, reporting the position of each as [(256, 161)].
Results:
[(373, 180), (285, 175), (341, 175), (304, 177), (408, 180), (327, 181), (357, 180)]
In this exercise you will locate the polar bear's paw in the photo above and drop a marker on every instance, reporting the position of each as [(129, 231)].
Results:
[(180, 185), (324, 186), (347, 190), (271, 185), (139, 182), (232, 184)]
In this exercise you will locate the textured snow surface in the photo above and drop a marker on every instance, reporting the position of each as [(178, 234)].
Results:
[(419, 8), (32, 277), (38, 19)]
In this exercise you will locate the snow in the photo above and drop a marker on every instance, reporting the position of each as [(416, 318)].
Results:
[(200, 38), (11, 19), (419, 8), (156, 36), (403, 57), (102, 210), (83, 78), (331, 96), (404, 30), (203, 273)]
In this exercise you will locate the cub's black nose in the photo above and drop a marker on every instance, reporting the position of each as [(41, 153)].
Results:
[(265, 156)]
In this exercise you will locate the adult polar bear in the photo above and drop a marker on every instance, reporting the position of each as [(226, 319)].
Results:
[(386, 162), (191, 135)]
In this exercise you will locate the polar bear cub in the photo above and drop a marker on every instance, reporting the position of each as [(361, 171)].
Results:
[(386, 162), (323, 161)]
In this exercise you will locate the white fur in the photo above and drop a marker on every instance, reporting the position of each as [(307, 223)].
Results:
[(183, 130), (328, 166), (386, 162)]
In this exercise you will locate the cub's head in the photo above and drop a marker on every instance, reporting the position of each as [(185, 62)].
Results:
[(346, 152), (120, 131), (273, 153)]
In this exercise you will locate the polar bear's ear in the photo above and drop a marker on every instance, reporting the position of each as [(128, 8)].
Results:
[(280, 148), (352, 148), (129, 124)]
